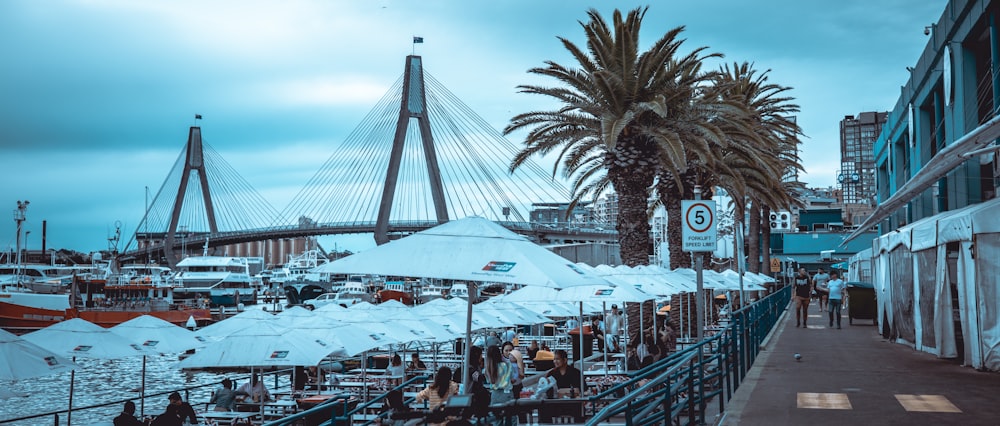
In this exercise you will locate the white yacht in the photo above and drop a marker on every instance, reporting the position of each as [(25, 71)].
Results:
[(225, 281)]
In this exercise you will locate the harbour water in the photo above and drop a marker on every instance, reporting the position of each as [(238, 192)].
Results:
[(102, 381)]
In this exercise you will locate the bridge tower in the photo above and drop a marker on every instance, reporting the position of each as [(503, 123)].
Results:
[(194, 161), (413, 106)]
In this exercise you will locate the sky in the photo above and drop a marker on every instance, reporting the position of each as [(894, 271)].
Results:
[(96, 96)]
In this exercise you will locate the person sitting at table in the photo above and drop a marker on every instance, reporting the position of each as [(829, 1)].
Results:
[(224, 397), (567, 377), (533, 349), (396, 371), (416, 363), (175, 414), (315, 375), (127, 417), (254, 389), (438, 391)]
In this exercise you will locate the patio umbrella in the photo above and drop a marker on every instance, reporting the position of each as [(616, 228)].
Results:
[(79, 337), (22, 359), (470, 249), (156, 335), (233, 324)]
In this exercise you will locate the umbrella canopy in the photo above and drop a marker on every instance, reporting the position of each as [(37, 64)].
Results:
[(470, 249), (155, 334), (233, 324), (79, 337), (25, 360), (263, 345)]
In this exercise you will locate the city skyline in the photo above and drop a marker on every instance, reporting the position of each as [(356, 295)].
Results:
[(101, 93)]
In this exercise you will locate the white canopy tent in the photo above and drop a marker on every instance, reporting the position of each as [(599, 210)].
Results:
[(913, 270)]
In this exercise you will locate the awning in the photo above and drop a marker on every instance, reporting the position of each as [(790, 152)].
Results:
[(944, 162)]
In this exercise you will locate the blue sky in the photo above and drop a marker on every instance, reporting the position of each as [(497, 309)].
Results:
[(96, 96)]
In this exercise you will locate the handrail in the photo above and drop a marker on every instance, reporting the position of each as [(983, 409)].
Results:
[(328, 406), (679, 387)]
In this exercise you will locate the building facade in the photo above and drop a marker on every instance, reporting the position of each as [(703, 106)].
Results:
[(856, 178)]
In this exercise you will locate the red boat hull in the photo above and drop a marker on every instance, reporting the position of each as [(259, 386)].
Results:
[(19, 318), (402, 296)]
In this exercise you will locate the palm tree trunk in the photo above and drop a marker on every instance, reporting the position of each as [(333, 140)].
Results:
[(753, 238), (765, 239), (633, 228)]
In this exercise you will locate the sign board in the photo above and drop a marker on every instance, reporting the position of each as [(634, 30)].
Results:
[(698, 225), (775, 265)]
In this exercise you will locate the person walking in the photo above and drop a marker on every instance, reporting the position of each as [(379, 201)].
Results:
[(837, 288), (822, 294), (803, 289)]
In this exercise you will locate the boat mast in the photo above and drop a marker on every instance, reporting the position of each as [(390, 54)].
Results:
[(19, 217)]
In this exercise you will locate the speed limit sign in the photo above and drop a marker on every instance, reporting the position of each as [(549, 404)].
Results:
[(698, 220)]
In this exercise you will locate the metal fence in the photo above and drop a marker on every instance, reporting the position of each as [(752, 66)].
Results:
[(679, 388)]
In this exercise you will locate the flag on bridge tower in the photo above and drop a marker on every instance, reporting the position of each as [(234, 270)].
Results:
[(418, 39), (197, 116)]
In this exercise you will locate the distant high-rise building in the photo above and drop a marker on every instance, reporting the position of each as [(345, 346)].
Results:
[(857, 163)]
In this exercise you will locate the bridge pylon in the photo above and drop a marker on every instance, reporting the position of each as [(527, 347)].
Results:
[(194, 161), (412, 106)]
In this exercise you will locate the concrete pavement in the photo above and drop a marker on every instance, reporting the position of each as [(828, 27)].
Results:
[(852, 376)]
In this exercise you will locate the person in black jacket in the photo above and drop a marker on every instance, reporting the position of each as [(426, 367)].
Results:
[(127, 417), (176, 412)]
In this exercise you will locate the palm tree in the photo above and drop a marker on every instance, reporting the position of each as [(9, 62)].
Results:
[(773, 114), (749, 160), (607, 130)]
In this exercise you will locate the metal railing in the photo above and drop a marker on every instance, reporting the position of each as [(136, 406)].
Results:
[(341, 409), (679, 388)]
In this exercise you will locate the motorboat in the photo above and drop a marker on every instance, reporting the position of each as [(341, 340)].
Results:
[(397, 290), (38, 278), (461, 290), (431, 289), (221, 280)]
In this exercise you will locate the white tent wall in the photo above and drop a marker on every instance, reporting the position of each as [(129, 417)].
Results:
[(883, 293), (968, 308), (987, 260), (944, 322), (901, 264), (925, 284)]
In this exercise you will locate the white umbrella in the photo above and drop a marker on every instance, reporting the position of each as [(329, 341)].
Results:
[(79, 337), (263, 345), (233, 324), (156, 335), (22, 359), (470, 249)]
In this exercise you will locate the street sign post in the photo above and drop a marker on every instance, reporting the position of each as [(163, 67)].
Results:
[(698, 235), (699, 230)]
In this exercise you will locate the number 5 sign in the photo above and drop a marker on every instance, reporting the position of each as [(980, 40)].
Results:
[(698, 221)]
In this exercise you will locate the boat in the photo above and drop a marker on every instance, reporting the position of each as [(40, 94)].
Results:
[(351, 293), (38, 278), (461, 290), (104, 301), (397, 290), (431, 289), (221, 280)]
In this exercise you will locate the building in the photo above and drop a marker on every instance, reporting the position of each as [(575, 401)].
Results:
[(857, 164)]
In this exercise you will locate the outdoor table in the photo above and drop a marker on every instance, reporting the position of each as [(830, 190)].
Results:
[(561, 407), (271, 409), (229, 417)]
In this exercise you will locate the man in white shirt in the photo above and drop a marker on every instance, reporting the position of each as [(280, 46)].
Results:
[(837, 287), (613, 327)]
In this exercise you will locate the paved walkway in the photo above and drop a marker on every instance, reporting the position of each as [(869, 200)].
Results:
[(852, 377)]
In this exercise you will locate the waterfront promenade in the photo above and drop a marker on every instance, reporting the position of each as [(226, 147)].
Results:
[(852, 376)]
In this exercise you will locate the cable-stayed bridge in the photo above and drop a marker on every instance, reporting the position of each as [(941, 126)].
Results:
[(419, 158)]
